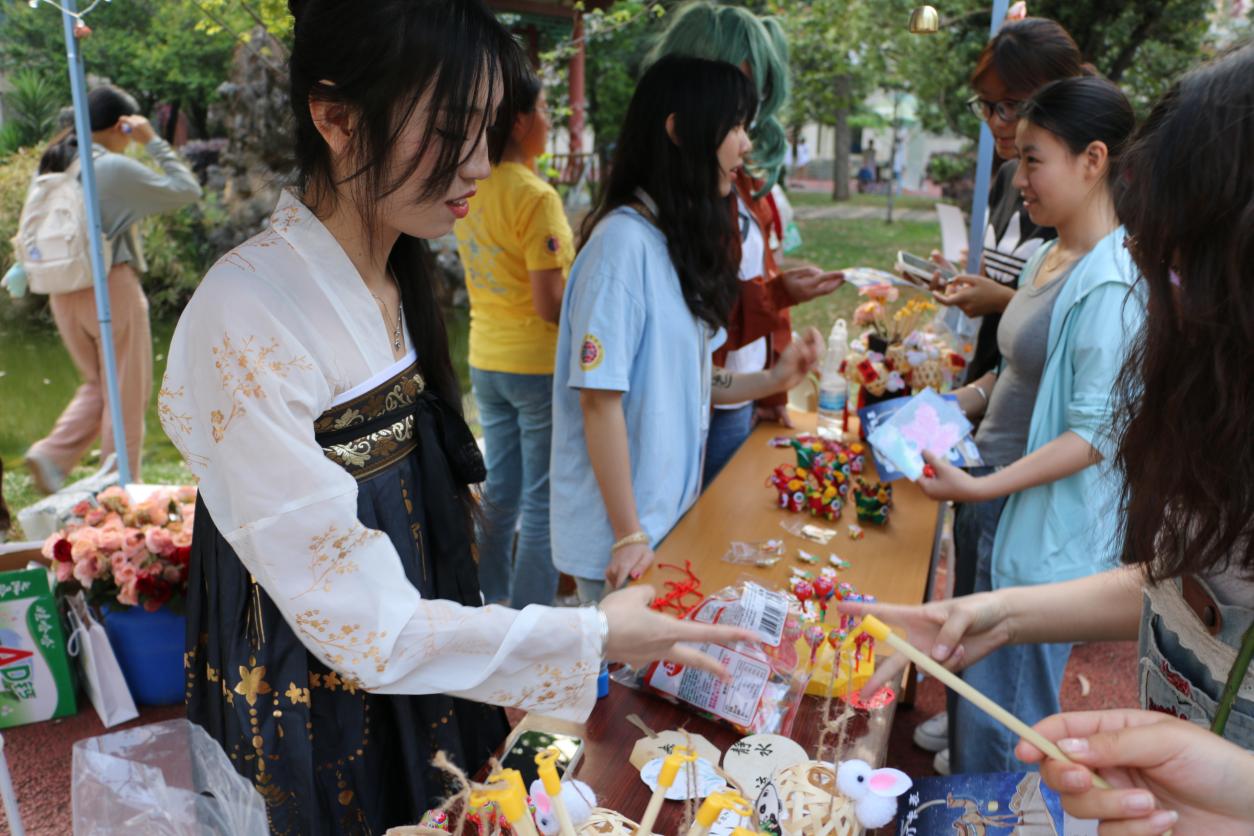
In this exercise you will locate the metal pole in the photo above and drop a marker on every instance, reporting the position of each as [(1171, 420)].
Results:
[(983, 166), (100, 273)]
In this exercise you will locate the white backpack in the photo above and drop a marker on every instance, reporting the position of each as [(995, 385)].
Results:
[(52, 241)]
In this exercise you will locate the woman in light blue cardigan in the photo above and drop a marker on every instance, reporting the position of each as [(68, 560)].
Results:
[(1047, 503)]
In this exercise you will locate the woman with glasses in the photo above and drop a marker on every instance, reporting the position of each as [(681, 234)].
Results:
[(1024, 56)]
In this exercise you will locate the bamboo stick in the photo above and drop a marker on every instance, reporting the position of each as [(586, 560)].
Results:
[(881, 632)]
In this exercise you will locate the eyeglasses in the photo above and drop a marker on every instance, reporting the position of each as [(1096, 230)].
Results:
[(1007, 110)]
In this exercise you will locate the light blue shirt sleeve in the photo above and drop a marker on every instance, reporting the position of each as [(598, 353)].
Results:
[(605, 315), (1107, 322)]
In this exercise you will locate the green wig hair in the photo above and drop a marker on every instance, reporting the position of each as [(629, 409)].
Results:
[(736, 35)]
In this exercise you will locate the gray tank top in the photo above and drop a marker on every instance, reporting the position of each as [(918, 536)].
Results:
[(1023, 339)]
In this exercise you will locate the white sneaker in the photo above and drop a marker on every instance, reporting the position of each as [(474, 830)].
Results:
[(941, 762), (44, 473), (932, 734)]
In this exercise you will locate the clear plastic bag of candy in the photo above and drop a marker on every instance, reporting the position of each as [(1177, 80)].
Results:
[(766, 684), (763, 554)]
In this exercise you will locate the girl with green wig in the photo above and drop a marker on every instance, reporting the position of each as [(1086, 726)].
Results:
[(759, 327), (755, 44)]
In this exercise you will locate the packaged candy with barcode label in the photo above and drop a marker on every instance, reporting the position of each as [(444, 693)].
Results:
[(767, 682)]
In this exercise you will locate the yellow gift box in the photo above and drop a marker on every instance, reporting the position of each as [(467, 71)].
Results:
[(822, 682)]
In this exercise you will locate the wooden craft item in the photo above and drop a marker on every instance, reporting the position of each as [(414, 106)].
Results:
[(812, 806), (752, 761), (652, 748), (608, 823)]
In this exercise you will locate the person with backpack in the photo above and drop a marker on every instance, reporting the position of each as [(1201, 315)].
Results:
[(53, 251)]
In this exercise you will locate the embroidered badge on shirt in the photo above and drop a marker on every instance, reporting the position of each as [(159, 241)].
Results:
[(552, 245), (592, 353)]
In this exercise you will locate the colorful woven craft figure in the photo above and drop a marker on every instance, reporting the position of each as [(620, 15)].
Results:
[(819, 483), (873, 501)]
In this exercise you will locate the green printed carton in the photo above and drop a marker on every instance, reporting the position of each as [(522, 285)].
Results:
[(35, 681)]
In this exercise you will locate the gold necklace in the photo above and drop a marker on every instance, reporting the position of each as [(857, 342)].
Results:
[(1058, 262), (396, 332)]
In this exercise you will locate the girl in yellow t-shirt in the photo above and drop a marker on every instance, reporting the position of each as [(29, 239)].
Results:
[(516, 246)]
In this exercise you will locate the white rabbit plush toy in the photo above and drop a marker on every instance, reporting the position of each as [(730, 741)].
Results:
[(873, 791), (578, 797)]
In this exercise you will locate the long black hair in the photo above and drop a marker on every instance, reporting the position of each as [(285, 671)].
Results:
[(106, 104), (708, 99), (1083, 110), (523, 99), (379, 59), (1187, 392)]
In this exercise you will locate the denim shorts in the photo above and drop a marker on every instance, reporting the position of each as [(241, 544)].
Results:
[(1175, 680)]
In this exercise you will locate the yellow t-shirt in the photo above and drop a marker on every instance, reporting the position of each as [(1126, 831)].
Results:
[(516, 225)]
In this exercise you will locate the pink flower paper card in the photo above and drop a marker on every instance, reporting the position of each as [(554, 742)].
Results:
[(927, 422)]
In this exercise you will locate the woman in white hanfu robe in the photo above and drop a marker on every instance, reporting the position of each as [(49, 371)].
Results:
[(336, 640)]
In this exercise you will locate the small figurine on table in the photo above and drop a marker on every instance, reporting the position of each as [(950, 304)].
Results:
[(873, 501)]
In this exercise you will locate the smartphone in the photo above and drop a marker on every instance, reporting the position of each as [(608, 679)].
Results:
[(920, 270), (522, 755)]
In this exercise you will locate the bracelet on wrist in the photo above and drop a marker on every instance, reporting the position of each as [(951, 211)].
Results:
[(630, 540)]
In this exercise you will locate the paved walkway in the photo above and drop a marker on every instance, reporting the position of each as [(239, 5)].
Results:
[(846, 211)]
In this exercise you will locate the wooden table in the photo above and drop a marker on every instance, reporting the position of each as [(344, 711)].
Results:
[(893, 563)]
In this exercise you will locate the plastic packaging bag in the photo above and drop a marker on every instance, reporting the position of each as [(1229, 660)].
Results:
[(767, 684), (163, 779)]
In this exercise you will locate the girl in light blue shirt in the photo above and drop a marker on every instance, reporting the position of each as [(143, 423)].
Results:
[(643, 311), (1051, 514)]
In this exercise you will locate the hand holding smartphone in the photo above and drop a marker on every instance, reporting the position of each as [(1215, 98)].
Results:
[(920, 270)]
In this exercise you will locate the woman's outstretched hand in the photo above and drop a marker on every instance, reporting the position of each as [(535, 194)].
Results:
[(639, 635)]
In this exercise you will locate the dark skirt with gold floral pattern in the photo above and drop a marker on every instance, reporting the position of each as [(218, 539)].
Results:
[(328, 757)]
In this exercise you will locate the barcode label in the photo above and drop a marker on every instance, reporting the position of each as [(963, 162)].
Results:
[(759, 610), (772, 620)]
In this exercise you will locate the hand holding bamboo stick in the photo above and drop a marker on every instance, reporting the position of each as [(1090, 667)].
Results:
[(872, 625)]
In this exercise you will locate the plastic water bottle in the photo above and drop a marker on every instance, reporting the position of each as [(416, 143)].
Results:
[(833, 388)]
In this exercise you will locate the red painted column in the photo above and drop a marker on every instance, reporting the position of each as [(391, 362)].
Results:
[(578, 96)]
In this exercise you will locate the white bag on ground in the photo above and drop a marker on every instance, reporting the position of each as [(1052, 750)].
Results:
[(102, 676), (52, 512), (163, 779)]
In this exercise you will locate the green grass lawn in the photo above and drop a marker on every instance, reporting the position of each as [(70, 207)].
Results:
[(38, 380), (902, 201), (833, 244)]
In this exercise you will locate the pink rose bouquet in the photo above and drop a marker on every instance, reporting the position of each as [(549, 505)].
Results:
[(122, 551)]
